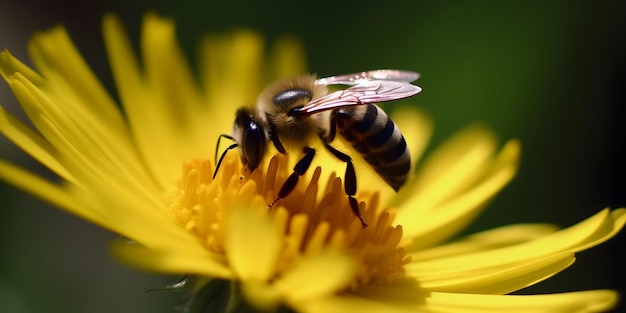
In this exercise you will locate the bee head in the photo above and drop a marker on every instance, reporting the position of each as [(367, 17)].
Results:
[(251, 137)]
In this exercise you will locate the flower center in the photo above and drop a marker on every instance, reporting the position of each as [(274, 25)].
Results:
[(316, 214)]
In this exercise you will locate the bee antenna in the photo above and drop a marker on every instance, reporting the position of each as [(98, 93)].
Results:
[(219, 163), (217, 147)]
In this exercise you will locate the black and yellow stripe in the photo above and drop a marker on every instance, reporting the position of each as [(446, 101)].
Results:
[(373, 134)]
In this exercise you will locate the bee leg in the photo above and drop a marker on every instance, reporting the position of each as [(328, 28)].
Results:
[(301, 167), (349, 183)]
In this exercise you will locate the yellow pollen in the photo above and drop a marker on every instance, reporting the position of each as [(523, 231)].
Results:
[(315, 216)]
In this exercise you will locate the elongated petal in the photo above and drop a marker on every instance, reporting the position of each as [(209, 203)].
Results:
[(171, 261), (351, 303), (454, 166), (287, 58), (147, 114), (229, 68), (497, 280), (584, 301), (32, 143), (90, 171), (252, 245), (68, 85), (416, 128), (80, 150), (405, 295), (427, 225), (613, 223), (316, 277), (303, 282), (440, 302), (179, 106), (167, 72), (594, 230), (45, 190), (10, 65), (56, 57), (129, 211), (80, 154), (486, 240)]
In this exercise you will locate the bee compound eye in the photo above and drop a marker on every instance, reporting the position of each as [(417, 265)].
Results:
[(253, 145)]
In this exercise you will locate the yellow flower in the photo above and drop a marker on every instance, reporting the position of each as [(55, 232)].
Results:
[(146, 173)]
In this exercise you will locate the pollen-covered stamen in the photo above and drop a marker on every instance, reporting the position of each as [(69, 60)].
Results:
[(315, 216)]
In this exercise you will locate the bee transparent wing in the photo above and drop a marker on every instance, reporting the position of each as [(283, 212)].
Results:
[(377, 75), (368, 91)]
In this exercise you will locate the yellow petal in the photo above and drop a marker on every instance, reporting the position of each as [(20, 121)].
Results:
[(77, 152), (32, 143), (124, 64), (489, 280), (174, 89), (45, 190), (129, 211), (109, 201), (416, 128), (67, 85), (80, 150), (42, 112), (486, 240), (287, 58), (427, 225), (65, 70), (10, 65), (349, 303), (317, 275), (613, 224), (454, 166), (588, 233), (230, 68), (152, 112), (584, 301), (167, 72), (594, 230), (203, 263), (252, 244), (405, 295)]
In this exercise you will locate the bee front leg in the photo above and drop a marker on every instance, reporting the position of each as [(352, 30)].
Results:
[(349, 183), (301, 167)]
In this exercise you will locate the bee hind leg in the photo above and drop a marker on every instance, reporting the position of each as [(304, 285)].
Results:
[(349, 183), (301, 167)]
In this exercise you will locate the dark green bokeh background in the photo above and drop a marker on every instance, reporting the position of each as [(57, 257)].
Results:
[(551, 74)]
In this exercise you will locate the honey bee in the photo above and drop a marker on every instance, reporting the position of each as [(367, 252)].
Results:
[(292, 112)]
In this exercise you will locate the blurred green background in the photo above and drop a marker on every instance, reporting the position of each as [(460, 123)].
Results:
[(549, 73)]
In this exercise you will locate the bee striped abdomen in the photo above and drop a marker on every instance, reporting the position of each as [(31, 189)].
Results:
[(373, 134)]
